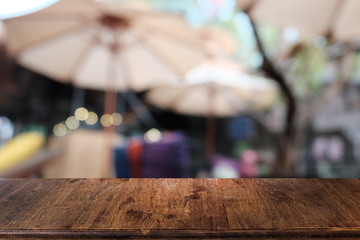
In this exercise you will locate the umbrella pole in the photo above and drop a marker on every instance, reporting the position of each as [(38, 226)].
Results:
[(210, 137), (110, 108), (210, 126), (110, 102)]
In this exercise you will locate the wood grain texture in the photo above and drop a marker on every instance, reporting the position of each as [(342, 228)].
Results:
[(180, 208)]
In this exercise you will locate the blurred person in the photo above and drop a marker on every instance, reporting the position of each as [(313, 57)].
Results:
[(248, 165)]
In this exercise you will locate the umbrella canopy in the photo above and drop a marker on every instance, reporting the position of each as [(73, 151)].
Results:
[(337, 18), (2, 33), (218, 42), (215, 88), (103, 45)]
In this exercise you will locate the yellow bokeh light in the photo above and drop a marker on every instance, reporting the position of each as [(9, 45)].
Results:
[(106, 120), (72, 123), (92, 118), (153, 135), (116, 119), (81, 114), (60, 130)]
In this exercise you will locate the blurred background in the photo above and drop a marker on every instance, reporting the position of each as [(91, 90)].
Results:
[(191, 88)]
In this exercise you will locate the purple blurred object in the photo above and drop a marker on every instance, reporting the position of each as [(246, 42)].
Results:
[(330, 147), (169, 158)]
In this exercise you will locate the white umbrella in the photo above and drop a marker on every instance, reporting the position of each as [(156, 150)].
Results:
[(338, 18), (218, 42), (105, 46), (216, 88)]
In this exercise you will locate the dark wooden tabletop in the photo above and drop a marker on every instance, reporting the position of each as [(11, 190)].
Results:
[(180, 208)]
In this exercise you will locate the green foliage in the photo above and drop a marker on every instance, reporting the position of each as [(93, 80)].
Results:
[(307, 68)]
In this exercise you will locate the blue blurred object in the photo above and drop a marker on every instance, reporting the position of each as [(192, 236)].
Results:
[(241, 128), (121, 162), (6, 130)]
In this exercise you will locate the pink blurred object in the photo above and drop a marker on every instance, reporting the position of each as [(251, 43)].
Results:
[(330, 147), (319, 148), (249, 161), (335, 149)]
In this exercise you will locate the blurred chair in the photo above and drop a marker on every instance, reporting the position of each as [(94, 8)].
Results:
[(168, 158), (121, 162), (24, 155), (86, 155)]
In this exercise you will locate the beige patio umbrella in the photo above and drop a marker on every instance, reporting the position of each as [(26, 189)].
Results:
[(216, 88), (105, 45), (336, 18), (218, 42), (2, 33)]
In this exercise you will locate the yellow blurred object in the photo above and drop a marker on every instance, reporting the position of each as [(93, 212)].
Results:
[(19, 149)]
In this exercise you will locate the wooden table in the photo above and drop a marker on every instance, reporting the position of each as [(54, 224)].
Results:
[(180, 208)]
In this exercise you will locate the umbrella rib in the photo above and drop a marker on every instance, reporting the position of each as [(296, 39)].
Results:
[(96, 6), (172, 101), (117, 53), (230, 97), (176, 99), (151, 30), (183, 91), (49, 17), (51, 37), (334, 17), (81, 58), (125, 74), (159, 56), (176, 38)]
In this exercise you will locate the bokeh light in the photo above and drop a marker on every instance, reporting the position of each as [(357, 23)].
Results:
[(106, 120), (92, 118), (320, 42), (60, 130), (72, 123), (81, 114), (153, 135), (291, 35), (116, 119)]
